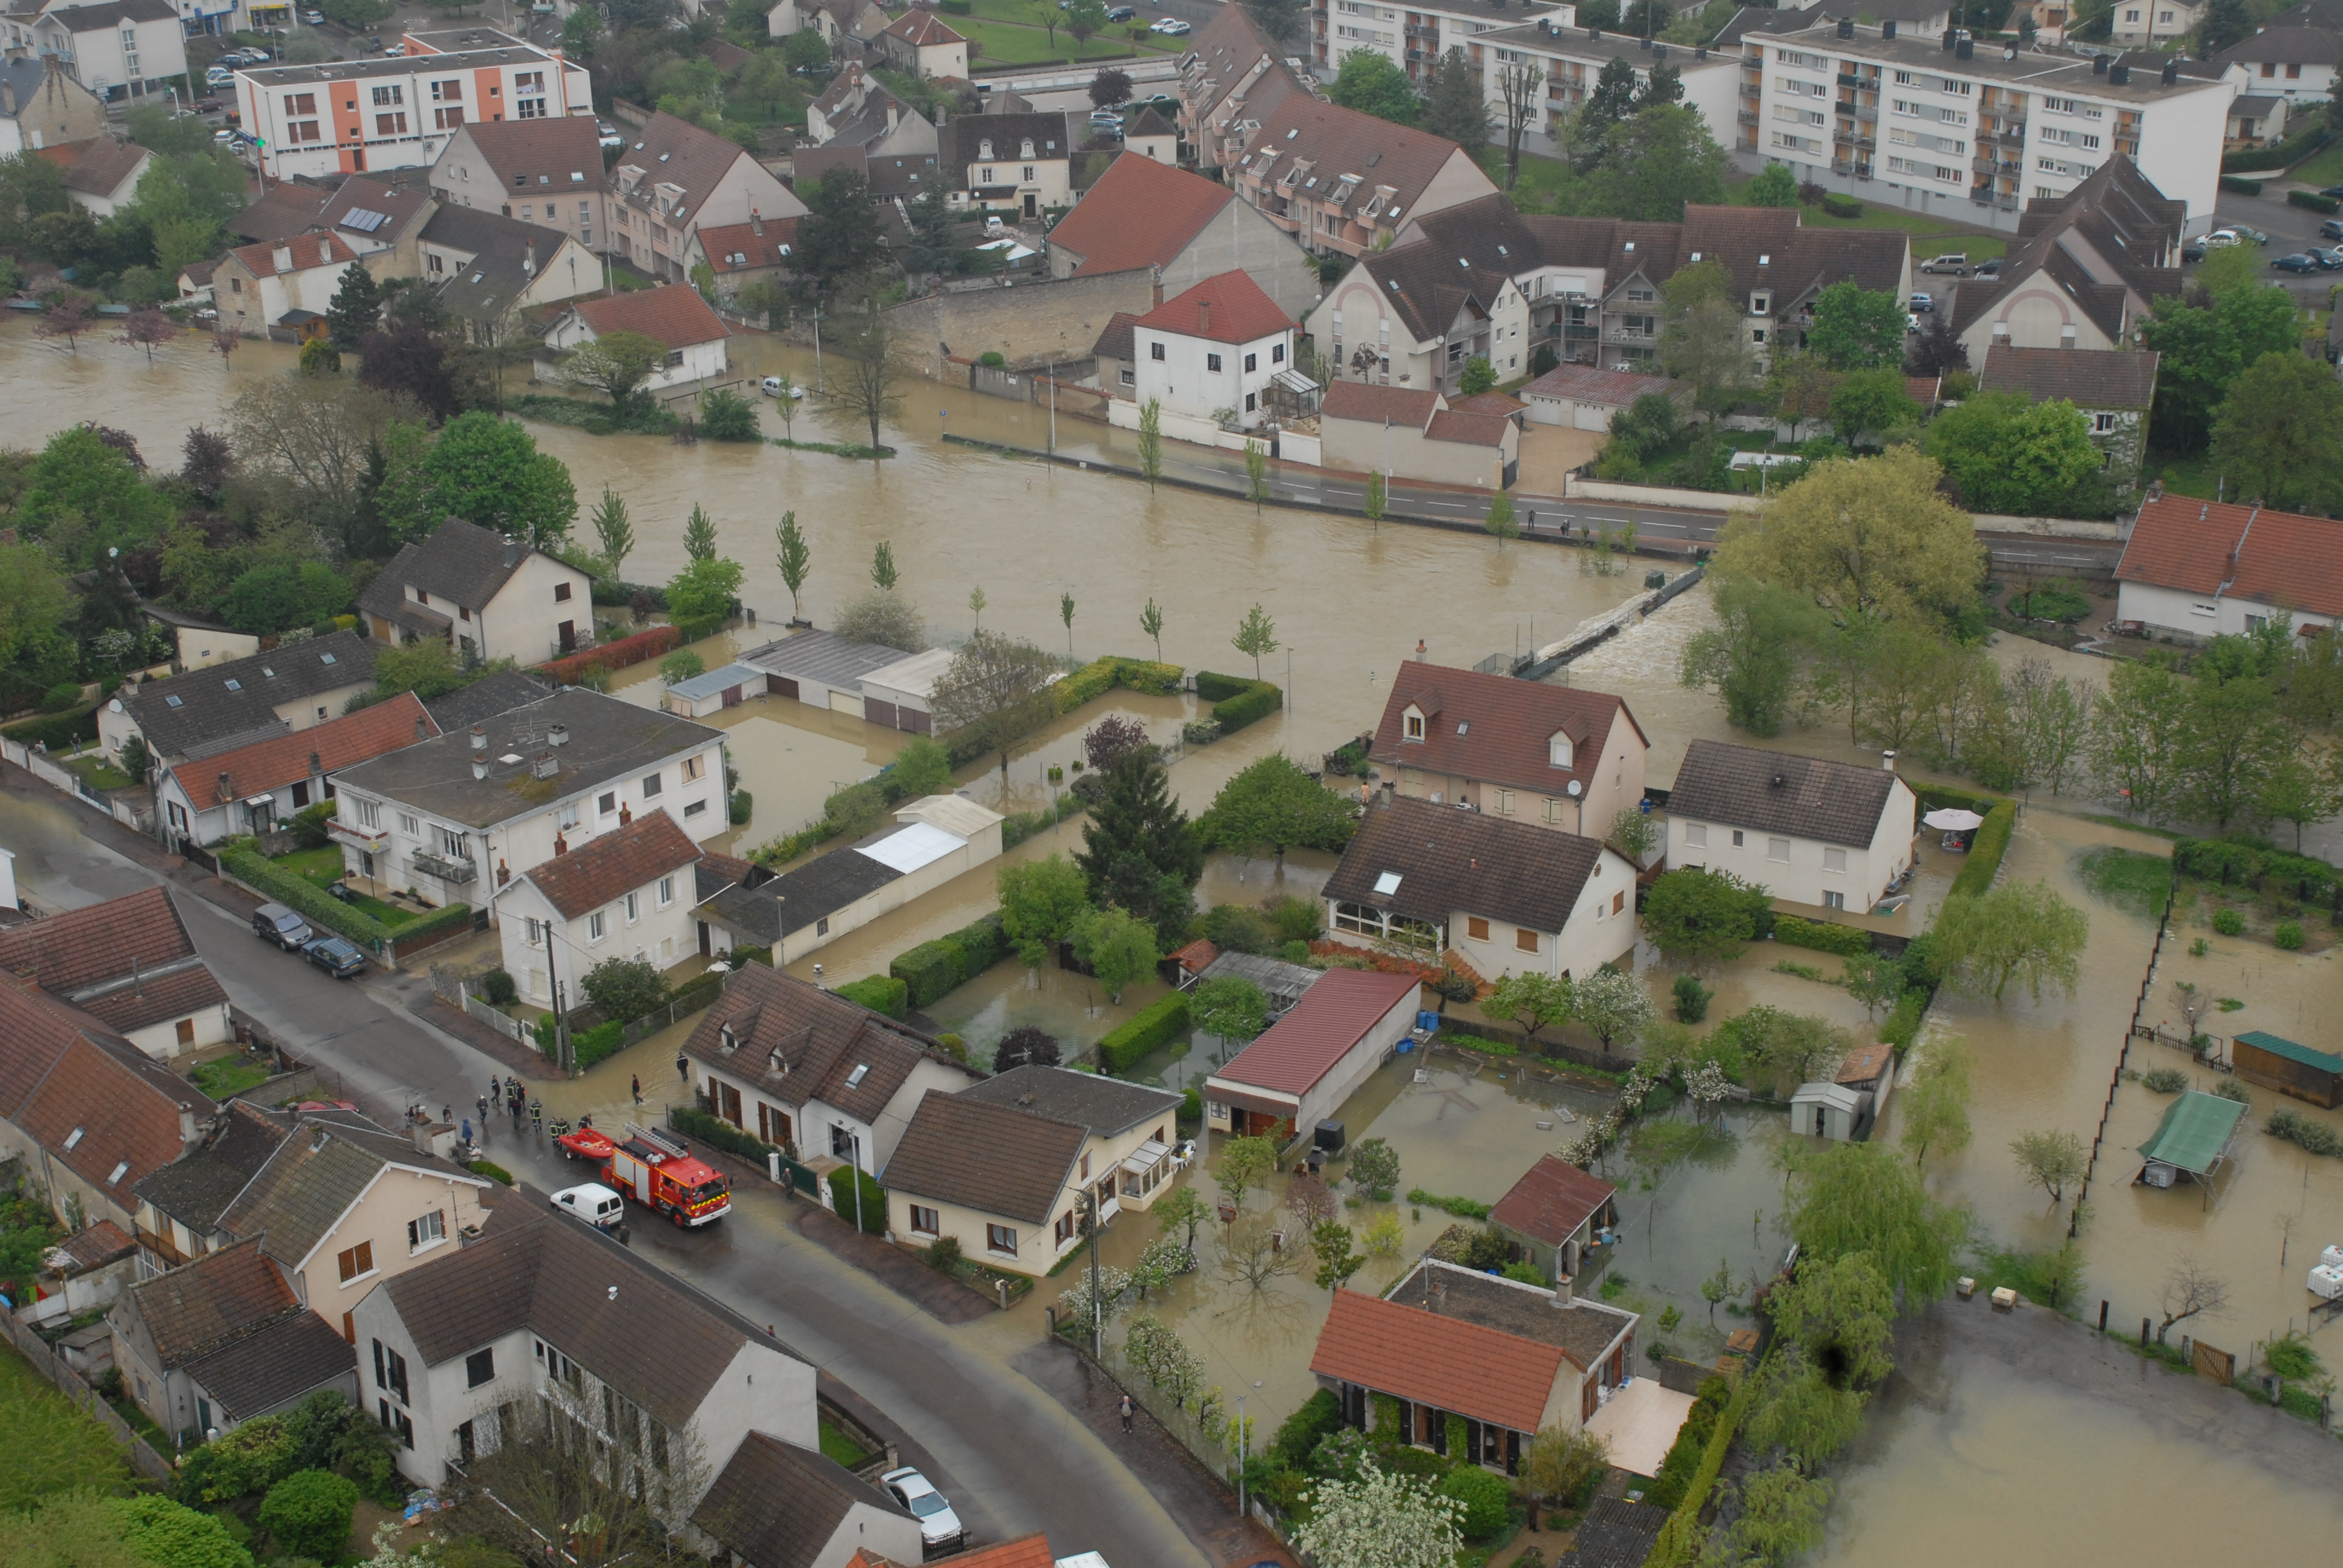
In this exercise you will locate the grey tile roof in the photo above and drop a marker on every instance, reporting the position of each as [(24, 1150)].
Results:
[(2114, 237), (2288, 45), (485, 288), (814, 891), (209, 712), (994, 1159), (198, 1189), (485, 698), (1106, 1106), (103, 15), (821, 655), (609, 738), (212, 1302), (1283, 982), (1580, 1329), (461, 563), (820, 1039), (778, 1505), (312, 1179), (272, 1368), (1779, 792), (1452, 861), (1616, 1533)]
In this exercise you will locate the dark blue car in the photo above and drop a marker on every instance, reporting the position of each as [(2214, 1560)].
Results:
[(2297, 263), (338, 955)]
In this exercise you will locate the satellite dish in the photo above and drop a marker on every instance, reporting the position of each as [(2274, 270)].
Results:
[(1575, 788)]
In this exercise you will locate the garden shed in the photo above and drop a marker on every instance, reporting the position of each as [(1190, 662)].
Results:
[(727, 686), (2193, 1139), (2316, 1076), (1831, 1111), (898, 695)]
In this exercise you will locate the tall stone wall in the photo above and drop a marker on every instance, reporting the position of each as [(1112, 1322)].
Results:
[(1028, 324)]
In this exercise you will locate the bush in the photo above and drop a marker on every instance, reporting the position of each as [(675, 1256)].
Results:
[(716, 1133), (2295, 1128), (874, 1200), (692, 628), (944, 1253), (1692, 998), (157, 1530), (2252, 863), (2314, 201), (306, 899), (955, 7), (654, 643), (1256, 701), (64, 695), (1320, 1415), (1822, 936), (1986, 851), (1214, 687), (2287, 934), (491, 1170), (726, 415), (55, 731), (927, 971), (2284, 153), (1122, 1049), (879, 994), (993, 360), (599, 1043), (308, 1515), (625, 989), (496, 987), (2240, 185), (2228, 922), (1839, 205), (1101, 676), (2164, 1080), (243, 1464), (1487, 1500)]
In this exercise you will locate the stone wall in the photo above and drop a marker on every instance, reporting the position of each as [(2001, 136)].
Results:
[(1028, 323)]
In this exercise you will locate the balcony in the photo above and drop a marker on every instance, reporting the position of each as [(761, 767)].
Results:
[(1748, 116), (445, 867), (357, 837), (1849, 79), (1580, 332)]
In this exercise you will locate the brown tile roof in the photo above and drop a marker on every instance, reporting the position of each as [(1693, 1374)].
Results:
[(725, 56), (1452, 861), (312, 1177), (961, 142), (821, 1038), (1108, 1106), (1768, 248), (2288, 45), (1581, 1329), (1408, 410), (1924, 390), (1195, 956), (778, 1505), (1393, 165), (124, 1108), (2086, 377), (2111, 244), (1502, 404), (994, 1159), (199, 1188), (1116, 342), (1495, 727), (1436, 1360), (673, 315), (923, 28), (460, 563), (1552, 1201), (1865, 1063), (286, 208), (1025, 1551), (403, 206), (136, 1001), (614, 864), (34, 1034), (1230, 55), (1781, 792), (213, 1301), (1467, 429), (96, 942), (744, 247), (547, 151), (283, 759), (273, 1366), (1611, 388), (1226, 308), (97, 166), (1332, 1017), (2278, 559), (307, 250), (672, 151), (97, 1245), (1141, 213)]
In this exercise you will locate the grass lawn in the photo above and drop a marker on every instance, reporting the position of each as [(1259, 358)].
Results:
[(323, 867), (56, 1447), (1006, 43), (2325, 168), (1541, 178), (98, 773), (139, 1421), (839, 1447), (224, 1076), (2191, 474)]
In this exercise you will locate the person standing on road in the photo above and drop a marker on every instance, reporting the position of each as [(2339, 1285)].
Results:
[(682, 1065), (1123, 1407), (537, 1116), (638, 1080), (495, 1087), (481, 1105)]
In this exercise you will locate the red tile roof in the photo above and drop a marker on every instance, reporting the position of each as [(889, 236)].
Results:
[(1865, 1063), (765, 243), (1552, 1201), (674, 315), (1611, 388), (99, 165), (126, 1110), (1229, 308), (2278, 559), (283, 759), (83, 946), (922, 28), (1467, 429), (556, 147), (1480, 1372), (614, 864), (98, 1245), (1332, 1017), (307, 250), (1495, 727), (1195, 958), (1503, 405), (1140, 214), (1363, 400), (215, 1301), (34, 1033)]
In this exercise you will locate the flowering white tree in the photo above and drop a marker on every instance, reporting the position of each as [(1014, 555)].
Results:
[(1075, 1306), (1380, 1521)]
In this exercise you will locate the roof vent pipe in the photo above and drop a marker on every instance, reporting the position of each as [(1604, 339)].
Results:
[(2098, 65), (1886, 31), (479, 738), (1963, 50), (558, 734), (1847, 27), (2171, 72), (479, 768), (2118, 75)]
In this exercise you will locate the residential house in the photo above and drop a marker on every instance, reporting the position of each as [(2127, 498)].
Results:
[(808, 1070), (254, 788), (776, 1506), (1412, 434), (1559, 64), (2084, 271), (284, 209), (1152, 136), (207, 1347), (1212, 351), (381, 221), (41, 105), (1131, 1127), (456, 818), (2193, 570), (933, 841), (1513, 1360), (1554, 1214), (545, 1315), (918, 43), (195, 640), (1416, 41), (547, 172), (281, 288), (489, 268), (497, 598), (129, 964), (296, 685), (400, 111), (677, 177), (848, 27), (81, 1274), (1189, 229), (101, 174), (1301, 1069), (1232, 79), (738, 255), (88, 1114), (895, 175), (2153, 23), (1281, 984), (2295, 63), (194, 283), (1565, 757), (2256, 120), (858, 110), (1510, 898), (1005, 1184), (180, 1205), (1116, 372), (672, 316), (1908, 119), (118, 49), (1582, 398), (626, 894), (1808, 831), (1342, 182), (2112, 389), (1017, 162)]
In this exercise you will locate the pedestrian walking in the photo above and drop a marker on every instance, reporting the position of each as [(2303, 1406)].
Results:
[(1124, 1407), (446, 1114), (516, 1115), (537, 1116), (638, 1080), (495, 1087), (481, 1105), (682, 1065), (467, 1129)]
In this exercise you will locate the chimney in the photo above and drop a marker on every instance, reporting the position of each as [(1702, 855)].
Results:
[(1562, 1291), (1659, 52), (2171, 72), (512, 551), (545, 767), (2098, 65), (528, 260), (504, 871), (626, 815), (479, 738), (756, 223), (1595, 34), (2118, 74), (1886, 33), (1887, 760), (1203, 318), (560, 844), (283, 256), (557, 734), (1965, 49), (422, 728), (1644, 44), (317, 774), (8, 99), (892, 112), (1845, 27), (479, 768), (1950, 34), (1157, 274)]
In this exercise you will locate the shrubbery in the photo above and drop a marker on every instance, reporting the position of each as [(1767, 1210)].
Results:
[(1992, 842), (1122, 1049), (55, 731), (1821, 935), (308, 1515), (654, 643), (879, 994)]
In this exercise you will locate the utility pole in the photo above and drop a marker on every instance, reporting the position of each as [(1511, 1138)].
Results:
[(857, 1145), (1098, 1308)]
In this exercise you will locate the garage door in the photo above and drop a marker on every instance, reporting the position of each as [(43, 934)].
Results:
[(879, 712), (782, 686), (846, 702), (1590, 417)]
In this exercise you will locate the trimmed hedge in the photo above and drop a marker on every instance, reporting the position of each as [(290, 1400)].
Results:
[(1680, 1539), (619, 655), (2283, 155), (2242, 185), (305, 898), (2253, 864), (874, 1199), (1101, 676), (1258, 701), (1215, 688), (691, 628), (2314, 201), (714, 1130), (1121, 1050), (927, 971), (1938, 798), (1839, 205), (879, 994), (1822, 936), (71, 728), (1903, 1025), (1992, 842)]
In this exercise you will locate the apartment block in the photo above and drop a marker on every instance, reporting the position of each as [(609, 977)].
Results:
[(1413, 37), (1567, 60)]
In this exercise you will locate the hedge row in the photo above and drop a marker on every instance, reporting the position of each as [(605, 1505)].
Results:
[(932, 968), (2257, 866), (1938, 798), (610, 592), (691, 628), (1023, 825), (874, 1199), (2282, 156), (1122, 1049), (619, 655), (1215, 688), (1681, 1537), (1258, 701), (1986, 851), (2242, 185), (1101, 676), (879, 994), (694, 1122), (307, 899), (2314, 201), (55, 731), (1822, 936), (1839, 205)]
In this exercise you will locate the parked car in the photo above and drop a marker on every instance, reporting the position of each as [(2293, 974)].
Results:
[(282, 926), (2332, 228), (939, 1525), (1989, 269), (1955, 261), (227, 136), (1171, 27), (1911, 323), (1121, 13), (314, 18), (1923, 304), (338, 955), (592, 1202), (1106, 120), (2221, 239), (396, 49), (2257, 236), (219, 77), (210, 106), (771, 386), (2301, 261)]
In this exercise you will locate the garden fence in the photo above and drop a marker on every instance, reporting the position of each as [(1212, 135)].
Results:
[(46, 1361), (2123, 1059)]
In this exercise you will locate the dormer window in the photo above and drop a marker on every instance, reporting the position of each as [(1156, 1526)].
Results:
[(1761, 303), (727, 1038), (984, 149), (1025, 148), (1558, 749), (1411, 724)]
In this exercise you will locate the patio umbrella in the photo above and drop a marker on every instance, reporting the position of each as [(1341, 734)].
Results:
[(1952, 821)]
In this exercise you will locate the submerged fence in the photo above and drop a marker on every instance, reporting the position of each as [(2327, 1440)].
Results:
[(2123, 1059)]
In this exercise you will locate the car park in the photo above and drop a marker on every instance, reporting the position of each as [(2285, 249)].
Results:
[(940, 1527), (2329, 258), (1989, 269), (2301, 261), (338, 955), (2221, 239), (1923, 304), (592, 1202), (1955, 261), (285, 928)]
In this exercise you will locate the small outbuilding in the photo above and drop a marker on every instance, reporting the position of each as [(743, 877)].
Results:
[(898, 695), (1583, 398), (727, 686), (1830, 1110), (2192, 1140), (1552, 1215), (2316, 1076), (1310, 1060), (820, 668)]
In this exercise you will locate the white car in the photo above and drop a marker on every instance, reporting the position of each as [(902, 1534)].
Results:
[(394, 49), (592, 1202), (2220, 237), (774, 385), (939, 1525), (1171, 27), (219, 77)]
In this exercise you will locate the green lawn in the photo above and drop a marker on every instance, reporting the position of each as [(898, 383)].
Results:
[(323, 868), (224, 1077), (53, 1447), (98, 773), (2323, 169), (1007, 44), (840, 1448)]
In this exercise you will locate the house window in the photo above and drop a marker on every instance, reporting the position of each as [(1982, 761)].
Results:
[(926, 1222), (1525, 938), (1276, 353), (1778, 849), (1740, 840), (480, 1367), (666, 891), (386, 96), (1250, 361), (1504, 802), (1066, 1227), (1476, 928), (534, 931), (634, 908), (391, 1373), (451, 844), (447, 91), (595, 929), (1833, 859), (397, 1421), (1696, 835), (609, 803), (652, 785), (425, 1231), (1000, 1238), (2103, 423), (1129, 378), (695, 808), (1558, 751), (390, 124), (1618, 903), (561, 593), (1212, 362), (356, 1261), (1029, 174), (694, 767), (1414, 724), (1834, 899)]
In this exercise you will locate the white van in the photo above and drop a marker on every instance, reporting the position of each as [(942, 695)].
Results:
[(592, 1202)]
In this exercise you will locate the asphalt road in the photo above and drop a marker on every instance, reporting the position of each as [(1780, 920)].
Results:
[(1009, 1456)]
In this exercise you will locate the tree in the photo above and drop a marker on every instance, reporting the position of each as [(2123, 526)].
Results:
[(2050, 1160), (614, 530), (1615, 1007), (922, 767), (1380, 1521), (1859, 1198), (2279, 433), (1109, 87), (1856, 329), (1936, 350), (727, 416), (1374, 1169), (1246, 1164), (582, 34), (155, 1529), (411, 361), (1150, 441), (1871, 535), (355, 311), (887, 618), (1139, 849), (700, 536), (871, 358), (1478, 376), (2011, 455), (1611, 100), (1330, 1240), (1372, 84), (1874, 979), (1084, 19), (703, 590), (1150, 621), (67, 316), (280, 596), (84, 497), (1718, 1289), (1284, 21), (2012, 932), (1066, 614), (2204, 349), (1453, 106), (806, 51), (1256, 463), (1256, 635), (2231, 741), (995, 691), (488, 472), (1378, 497), (1800, 385), (320, 359), (1654, 163), (1774, 185), (2190, 1290), (840, 235), (1781, 1516), (1786, 1048), (2297, 790), (2223, 22), (616, 364), (794, 559), (624, 989), (1521, 93), (1705, 340), (1751, 657), (1119, 947), (1871, 402), (427, 667), (1040, 903), (1694, 913), (2138, 732), (1105, 743), (307, 1513), (206, 459), (1840, 1309), (1231, 1007), (609, 1500), (146, 326), (1025, 1047), (1272, 806), (1533, 1000)]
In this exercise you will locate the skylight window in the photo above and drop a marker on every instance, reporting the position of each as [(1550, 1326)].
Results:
[(172, 702), (324, 659), (236, 686), (74, 1137), (1387, 884), (268, 673), (861, 1070), (118, 1170)]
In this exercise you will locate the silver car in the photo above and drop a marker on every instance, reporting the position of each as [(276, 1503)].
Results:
[(940, 1527)]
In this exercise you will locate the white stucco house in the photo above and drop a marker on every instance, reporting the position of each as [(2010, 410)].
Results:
[(2194, 570), (251, 788), (628, 894), (1212, 349), (1808, 831), (488, 596), (674, 316)]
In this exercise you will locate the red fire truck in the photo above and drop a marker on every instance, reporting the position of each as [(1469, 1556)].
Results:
[(656, 1171)]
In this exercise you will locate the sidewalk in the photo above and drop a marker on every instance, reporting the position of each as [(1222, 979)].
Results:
[(941, 1297)]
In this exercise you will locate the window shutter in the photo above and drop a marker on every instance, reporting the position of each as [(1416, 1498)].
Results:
[(414, 1233)]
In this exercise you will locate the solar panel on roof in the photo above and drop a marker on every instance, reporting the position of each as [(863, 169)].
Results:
[(365, 220)]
